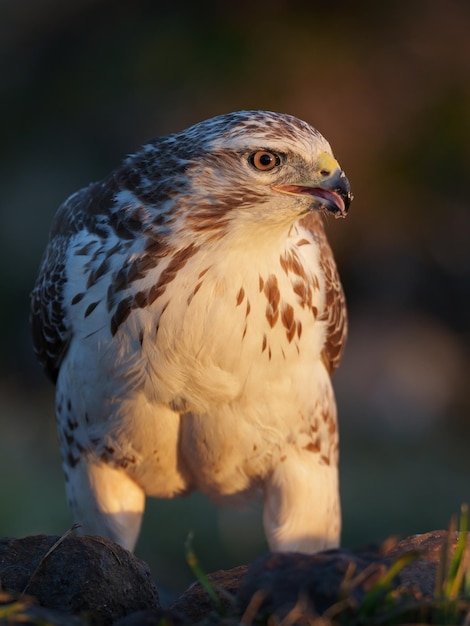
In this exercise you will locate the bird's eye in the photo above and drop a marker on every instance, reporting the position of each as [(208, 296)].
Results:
[(264, 160)]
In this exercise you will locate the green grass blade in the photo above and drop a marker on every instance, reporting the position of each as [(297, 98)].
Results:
[(374, 598), (201, 576)]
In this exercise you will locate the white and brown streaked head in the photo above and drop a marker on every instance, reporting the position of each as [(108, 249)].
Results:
[(249, 166)]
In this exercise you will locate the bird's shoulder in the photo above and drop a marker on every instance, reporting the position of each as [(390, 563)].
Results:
[(97, 232)]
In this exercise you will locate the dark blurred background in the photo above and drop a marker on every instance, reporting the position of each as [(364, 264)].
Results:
[(388, 83)]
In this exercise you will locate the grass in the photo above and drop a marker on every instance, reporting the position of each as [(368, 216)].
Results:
[(14, 607), (201, 576), (452, 587)]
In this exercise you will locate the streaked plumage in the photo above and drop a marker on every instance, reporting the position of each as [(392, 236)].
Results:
[(189, 310)]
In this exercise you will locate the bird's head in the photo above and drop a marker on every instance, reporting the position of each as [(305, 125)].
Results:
[(253, 169), (266, 164)]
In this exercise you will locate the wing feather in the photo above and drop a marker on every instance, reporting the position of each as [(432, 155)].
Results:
[(335, 312)]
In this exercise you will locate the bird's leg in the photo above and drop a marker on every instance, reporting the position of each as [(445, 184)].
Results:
[(301, 504), (105, 501)]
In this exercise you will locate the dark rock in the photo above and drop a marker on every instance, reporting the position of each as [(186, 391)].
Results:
[(85, 576), (307, 584), (428, 546), (158, 617), (419, 576), (195, 602)]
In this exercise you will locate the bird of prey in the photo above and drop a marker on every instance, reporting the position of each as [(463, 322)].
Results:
[(189, 311)]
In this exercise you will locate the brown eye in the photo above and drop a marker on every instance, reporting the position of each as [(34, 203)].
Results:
[(264, 160)]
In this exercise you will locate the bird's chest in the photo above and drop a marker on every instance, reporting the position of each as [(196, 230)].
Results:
[(232, 328)]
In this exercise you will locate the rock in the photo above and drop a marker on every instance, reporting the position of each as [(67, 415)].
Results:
[(195, 602), (419, 576), (86, 576), (307, 584), (158, 617)]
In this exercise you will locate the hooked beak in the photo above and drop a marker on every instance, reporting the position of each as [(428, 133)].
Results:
[(331, 192)]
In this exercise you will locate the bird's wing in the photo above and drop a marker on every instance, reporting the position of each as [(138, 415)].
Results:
[(335, 313), (51, 330), (103, 219)]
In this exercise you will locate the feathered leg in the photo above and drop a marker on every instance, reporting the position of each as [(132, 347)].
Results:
[(105, 501), (301, 504)]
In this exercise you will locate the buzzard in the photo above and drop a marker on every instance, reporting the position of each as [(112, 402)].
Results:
[(189, 311)]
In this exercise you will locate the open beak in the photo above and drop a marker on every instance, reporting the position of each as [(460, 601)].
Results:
[(332, 192)]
